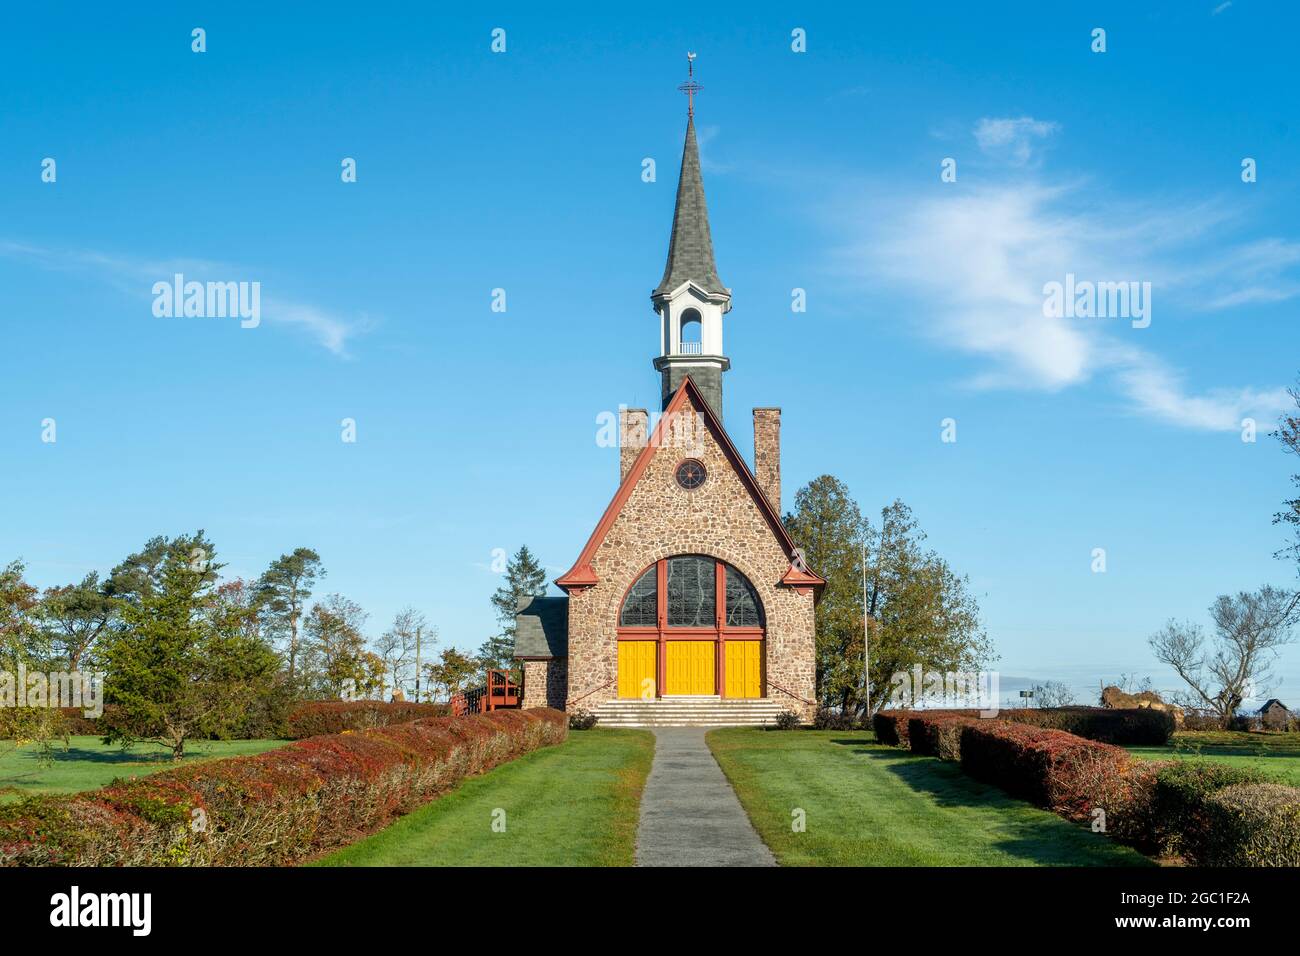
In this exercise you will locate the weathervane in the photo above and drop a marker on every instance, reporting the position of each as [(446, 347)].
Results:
[(690, 87)]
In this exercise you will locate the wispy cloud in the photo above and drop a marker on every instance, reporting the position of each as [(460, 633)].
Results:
[(977, 261), (135, 276), (1012, 139), (1221, 7)]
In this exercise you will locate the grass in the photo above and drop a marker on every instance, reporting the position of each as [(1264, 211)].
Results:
[(88, 763), (576, 804), (1278, 754), (870, 805)]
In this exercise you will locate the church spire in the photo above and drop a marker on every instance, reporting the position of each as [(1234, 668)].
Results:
[(690, 250), (691, 299)]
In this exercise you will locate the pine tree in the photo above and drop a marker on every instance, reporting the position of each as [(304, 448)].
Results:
[(525, 577)]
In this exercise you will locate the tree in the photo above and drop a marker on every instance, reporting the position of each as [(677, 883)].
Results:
[(336, 650), (1288, 433), (178, 667), (451, 672), (919, 612), (283, 591), (20, 637), (396, 646), (1052, 693), (1250, 629), (525, 577), (75, 616)]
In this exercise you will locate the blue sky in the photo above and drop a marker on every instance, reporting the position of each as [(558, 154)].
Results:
[(477, 430)]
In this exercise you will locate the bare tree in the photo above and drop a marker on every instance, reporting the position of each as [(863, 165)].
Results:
[(1249, 631), (1053, 693), (397, 646)]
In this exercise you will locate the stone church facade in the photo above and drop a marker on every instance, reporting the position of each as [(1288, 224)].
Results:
[(689, 588)]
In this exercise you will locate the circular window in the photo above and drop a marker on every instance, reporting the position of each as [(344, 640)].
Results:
[(690, 474)]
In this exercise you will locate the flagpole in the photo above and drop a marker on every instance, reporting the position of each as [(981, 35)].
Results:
[(866, 660)]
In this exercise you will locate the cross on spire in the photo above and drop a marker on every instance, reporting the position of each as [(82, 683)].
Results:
[(690, 87)]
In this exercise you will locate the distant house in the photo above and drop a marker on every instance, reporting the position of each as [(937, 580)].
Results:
[(1274, 715)]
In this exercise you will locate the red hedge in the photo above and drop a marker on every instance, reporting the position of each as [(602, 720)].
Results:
[(1048, 767), (315, 717), (278, 807)]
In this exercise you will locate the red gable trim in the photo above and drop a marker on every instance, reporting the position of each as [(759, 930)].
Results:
[(582, 575)]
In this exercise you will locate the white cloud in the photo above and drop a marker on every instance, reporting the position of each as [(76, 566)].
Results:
[(1012, 139), (135, 276), (976, 263)]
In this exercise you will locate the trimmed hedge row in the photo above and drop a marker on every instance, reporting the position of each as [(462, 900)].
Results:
[(315, 717), (1051, 768), (1253, 824), (1138, 727), (307, 719), (1211, 814), (1184, 820), (276, 808)]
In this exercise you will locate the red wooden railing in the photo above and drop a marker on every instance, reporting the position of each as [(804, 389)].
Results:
[(499, 692)]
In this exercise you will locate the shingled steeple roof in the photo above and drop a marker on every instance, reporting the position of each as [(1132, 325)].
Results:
[(690, 251)]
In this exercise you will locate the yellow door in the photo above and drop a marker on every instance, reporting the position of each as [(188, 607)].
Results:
[(636, 669), (744, 668), (690, 667)]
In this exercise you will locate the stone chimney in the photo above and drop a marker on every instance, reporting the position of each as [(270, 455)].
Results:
[(633, 424), (767, 453)]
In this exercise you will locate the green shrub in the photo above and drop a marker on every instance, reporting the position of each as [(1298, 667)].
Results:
[(1253, 824), (827, 719), (788, 720), (1182, 789), (582, 719)]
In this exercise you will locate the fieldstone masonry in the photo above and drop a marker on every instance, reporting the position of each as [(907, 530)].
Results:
[(720, 519), (767, 453), (546, 683)]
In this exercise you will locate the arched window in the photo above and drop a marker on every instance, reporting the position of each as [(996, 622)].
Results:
[(692, 596), (691, 333)]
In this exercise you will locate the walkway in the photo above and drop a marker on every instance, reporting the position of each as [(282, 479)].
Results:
[(689, 814)]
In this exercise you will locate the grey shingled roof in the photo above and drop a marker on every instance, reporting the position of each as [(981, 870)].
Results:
[(542, 627), (690, 250)]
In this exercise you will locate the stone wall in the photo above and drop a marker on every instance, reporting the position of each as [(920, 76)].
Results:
[(546, 683), (720, 519)]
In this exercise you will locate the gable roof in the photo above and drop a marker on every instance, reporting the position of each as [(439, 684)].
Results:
[(1271, 702), (690, 248), (542, 627), (582, 575)]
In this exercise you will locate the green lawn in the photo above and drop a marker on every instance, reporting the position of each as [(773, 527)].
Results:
[(576, 804), (1278, 754), (89, 764), (869, 805)]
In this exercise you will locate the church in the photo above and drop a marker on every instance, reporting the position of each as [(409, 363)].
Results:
[(689, 603)]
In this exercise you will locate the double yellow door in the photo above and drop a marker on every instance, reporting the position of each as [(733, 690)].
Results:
[(689, 668)]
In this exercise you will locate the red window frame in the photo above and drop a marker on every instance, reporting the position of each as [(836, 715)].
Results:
[(661, 632)]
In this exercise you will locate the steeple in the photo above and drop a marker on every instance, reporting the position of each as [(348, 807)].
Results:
[(691, 298), (690, 250)]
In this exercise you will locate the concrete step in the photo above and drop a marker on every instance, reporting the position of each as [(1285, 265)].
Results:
[(688, 712)]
